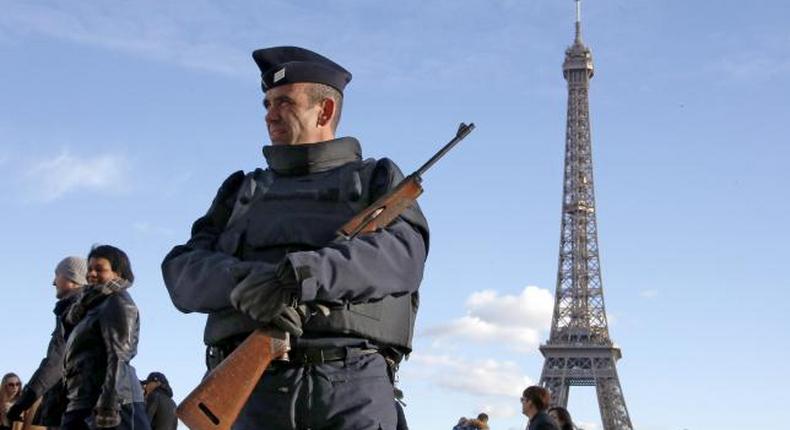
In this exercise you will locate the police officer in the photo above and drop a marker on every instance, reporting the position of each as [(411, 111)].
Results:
[(266, 253)]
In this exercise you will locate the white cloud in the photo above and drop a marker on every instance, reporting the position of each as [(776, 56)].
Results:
[(753, 57), (515, 321), (154, 30), (648, 294), (52, 178), (752, 66), (531, 308), (501, 410), (587, 425), (218, 37), (481, 377), (146, 228)]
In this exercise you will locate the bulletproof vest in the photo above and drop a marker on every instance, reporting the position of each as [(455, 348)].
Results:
[(276, 213)]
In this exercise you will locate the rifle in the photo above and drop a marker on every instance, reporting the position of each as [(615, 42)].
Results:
[(217, 401)]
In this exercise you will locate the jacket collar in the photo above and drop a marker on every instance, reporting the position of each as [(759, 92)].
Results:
[(313, 157), (64, 303)]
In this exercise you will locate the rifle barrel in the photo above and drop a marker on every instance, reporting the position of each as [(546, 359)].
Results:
[(463, 130)]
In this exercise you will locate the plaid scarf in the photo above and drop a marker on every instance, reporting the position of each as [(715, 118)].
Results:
[(91, 296)]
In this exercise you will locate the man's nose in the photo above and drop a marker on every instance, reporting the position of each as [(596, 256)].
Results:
[(272, 115)]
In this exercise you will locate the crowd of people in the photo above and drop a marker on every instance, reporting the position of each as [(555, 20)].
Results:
[(86, 379), (479, 423), (535, 403)]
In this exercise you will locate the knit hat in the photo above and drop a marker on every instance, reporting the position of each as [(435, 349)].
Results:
[(74, 269)]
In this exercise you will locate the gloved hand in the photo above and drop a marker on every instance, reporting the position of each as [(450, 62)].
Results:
[(267, 297), (105, 417), (25, 401), (291, 319)]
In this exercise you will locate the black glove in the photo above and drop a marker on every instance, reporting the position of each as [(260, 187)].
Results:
[(292, 319), (26, 400), (267, 297), (107, 417)]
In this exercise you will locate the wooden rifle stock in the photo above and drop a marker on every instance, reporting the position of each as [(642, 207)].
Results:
[(217, 401)]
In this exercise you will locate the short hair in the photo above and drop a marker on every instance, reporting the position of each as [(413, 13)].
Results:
[(317, 92), (482, 416), (539, 397), (119, 261)]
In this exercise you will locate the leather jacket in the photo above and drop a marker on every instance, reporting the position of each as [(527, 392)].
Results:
[(103, 328)]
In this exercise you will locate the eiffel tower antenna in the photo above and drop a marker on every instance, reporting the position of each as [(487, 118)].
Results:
[(579, 351), (578, 21)]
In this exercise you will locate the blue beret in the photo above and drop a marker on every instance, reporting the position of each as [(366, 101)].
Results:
[(289, 64)]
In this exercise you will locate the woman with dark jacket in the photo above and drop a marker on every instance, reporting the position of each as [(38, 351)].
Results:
[(562, 417), (101, 329)]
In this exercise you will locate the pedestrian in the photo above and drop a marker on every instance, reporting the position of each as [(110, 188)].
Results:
[(479, 423), (46, 382), (9, 393), (562, 417), (534, 402), (102, 328), (266, 252), (461, 425), (159, 404)]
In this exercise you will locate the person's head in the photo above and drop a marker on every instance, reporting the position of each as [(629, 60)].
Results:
[(11, 386), (107, 263), (301, 113), (482, 416), (562, 417), (154, 381), (69, 276), (534, 399), (303, 94)]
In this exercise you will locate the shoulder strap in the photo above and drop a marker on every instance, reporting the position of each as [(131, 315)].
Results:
[(254, 186)]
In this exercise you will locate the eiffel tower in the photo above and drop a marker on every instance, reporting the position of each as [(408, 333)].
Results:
[(579, 351)]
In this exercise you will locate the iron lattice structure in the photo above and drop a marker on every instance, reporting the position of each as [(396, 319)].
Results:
[(579, 351)]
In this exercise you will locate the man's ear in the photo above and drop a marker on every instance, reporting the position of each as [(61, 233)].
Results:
[(328, 112)]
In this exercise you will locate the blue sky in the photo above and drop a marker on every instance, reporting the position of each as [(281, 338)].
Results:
[(119, 120)]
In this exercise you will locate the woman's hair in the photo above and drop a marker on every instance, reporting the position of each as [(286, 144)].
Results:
[(6, 377), (539, 396), (566, 423), (119, 262)]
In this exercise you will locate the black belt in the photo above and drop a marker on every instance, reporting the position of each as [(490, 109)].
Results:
[(216, 353), (324, 355)]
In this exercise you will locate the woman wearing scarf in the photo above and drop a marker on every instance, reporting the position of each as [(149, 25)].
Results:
[(102, 328)]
